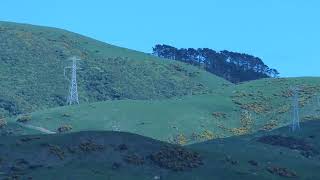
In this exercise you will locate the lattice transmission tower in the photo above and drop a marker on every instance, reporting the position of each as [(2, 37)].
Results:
[(73, 89), (295, 106)]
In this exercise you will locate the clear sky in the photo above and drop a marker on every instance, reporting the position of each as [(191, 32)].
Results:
[(284, 33)]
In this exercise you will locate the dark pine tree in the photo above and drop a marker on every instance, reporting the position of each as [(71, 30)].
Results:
[(233, 66)]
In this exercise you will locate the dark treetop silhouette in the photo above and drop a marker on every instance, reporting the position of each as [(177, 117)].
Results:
[(233, 66)]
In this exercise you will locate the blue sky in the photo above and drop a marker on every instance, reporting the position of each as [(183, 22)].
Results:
[(284, 33)]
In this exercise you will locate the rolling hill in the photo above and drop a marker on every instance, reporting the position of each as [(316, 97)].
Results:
[(227, 131), (260, 105), (279, 154), (33, 58), (125, 90)]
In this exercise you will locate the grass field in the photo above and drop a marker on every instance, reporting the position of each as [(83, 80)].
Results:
[(234, 110)]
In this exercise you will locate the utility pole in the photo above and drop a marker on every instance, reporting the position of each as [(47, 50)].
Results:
[(73, 89)]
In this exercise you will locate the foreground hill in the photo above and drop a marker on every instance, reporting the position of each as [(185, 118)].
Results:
[(279, 154), (235, 110), (33, 58)]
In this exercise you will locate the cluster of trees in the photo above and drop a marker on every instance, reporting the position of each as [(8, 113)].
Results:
[(233, 66)]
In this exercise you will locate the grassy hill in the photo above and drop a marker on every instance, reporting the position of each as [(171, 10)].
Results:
[(132, 92), (33, 58), (260, 105), (278, 154), (158, 98)]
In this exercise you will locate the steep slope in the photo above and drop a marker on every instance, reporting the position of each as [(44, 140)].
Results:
[(114, 155), (33, 58)]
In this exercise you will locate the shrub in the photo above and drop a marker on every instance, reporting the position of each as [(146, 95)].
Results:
[(3, 123), (179, 139), (203, 136), (206, 135), (284, 172), (66, 115), (64, 128), (90, 146), (306, 149), (57, 150), (176, 158), (24, 118)]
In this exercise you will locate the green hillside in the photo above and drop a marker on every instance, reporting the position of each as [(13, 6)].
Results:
[(227, 131), (275, 155), (129, 91), (33, 58), (260, 105)]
